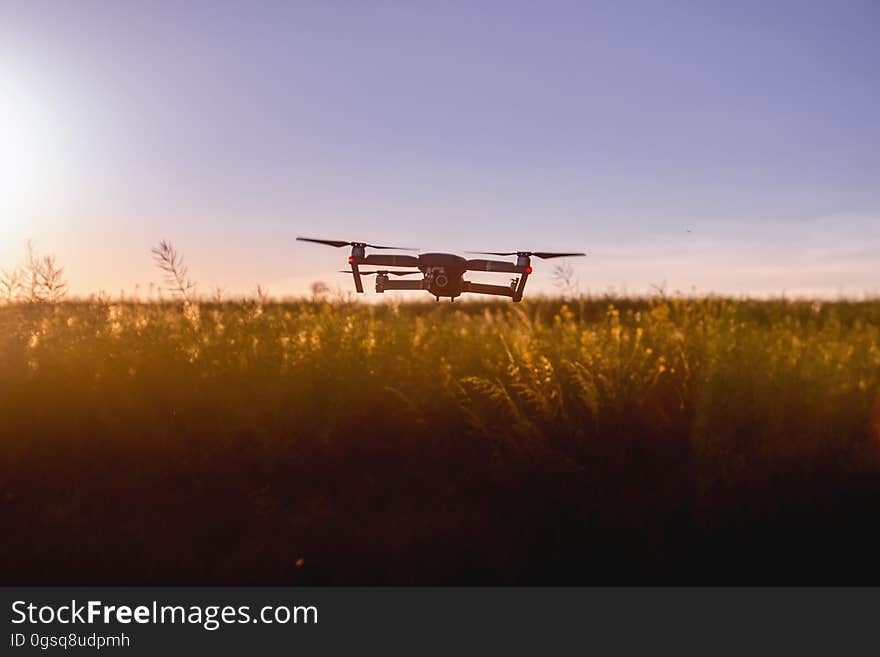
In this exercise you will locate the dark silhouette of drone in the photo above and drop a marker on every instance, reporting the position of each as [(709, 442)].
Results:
[(442, 273)]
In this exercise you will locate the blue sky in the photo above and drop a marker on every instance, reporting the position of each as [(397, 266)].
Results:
[(609, 127)]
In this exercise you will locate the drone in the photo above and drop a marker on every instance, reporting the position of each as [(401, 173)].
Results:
[(442, 273)]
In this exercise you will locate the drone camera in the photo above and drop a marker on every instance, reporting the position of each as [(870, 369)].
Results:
[(441, 280)]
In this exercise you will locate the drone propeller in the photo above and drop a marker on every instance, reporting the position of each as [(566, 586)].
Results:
[(340, 243), (372, 273), (538, 254)]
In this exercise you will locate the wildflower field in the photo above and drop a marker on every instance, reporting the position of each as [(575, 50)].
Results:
[(675, 440)]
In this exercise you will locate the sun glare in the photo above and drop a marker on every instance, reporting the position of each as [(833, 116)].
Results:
[(30, 153)]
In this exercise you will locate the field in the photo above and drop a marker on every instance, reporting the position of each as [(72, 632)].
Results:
[(671, 440)]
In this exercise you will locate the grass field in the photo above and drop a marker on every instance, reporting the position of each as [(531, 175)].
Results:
[(610, 441)]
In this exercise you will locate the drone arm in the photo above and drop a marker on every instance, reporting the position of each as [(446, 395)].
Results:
[(389, 260), (482, 288), (400, 285), (481, 264), (524, 264), (521, 285), (356, 273)]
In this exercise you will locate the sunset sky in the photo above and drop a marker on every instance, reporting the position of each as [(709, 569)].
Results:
[(723, 146)]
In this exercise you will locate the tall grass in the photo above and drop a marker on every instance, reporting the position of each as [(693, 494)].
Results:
[(637, 440)]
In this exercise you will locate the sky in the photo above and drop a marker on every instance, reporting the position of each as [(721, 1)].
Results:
[(727, 147)]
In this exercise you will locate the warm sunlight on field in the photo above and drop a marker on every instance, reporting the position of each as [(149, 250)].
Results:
[(598, 440)]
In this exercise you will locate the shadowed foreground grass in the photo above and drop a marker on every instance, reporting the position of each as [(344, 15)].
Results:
[(312, 443)]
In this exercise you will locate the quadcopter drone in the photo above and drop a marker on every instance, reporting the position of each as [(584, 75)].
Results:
[(442, 273)]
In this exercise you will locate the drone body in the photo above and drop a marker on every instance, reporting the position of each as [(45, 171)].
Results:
[(442, 273)]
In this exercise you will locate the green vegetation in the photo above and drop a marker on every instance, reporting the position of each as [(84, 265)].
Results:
[(595, 441)]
